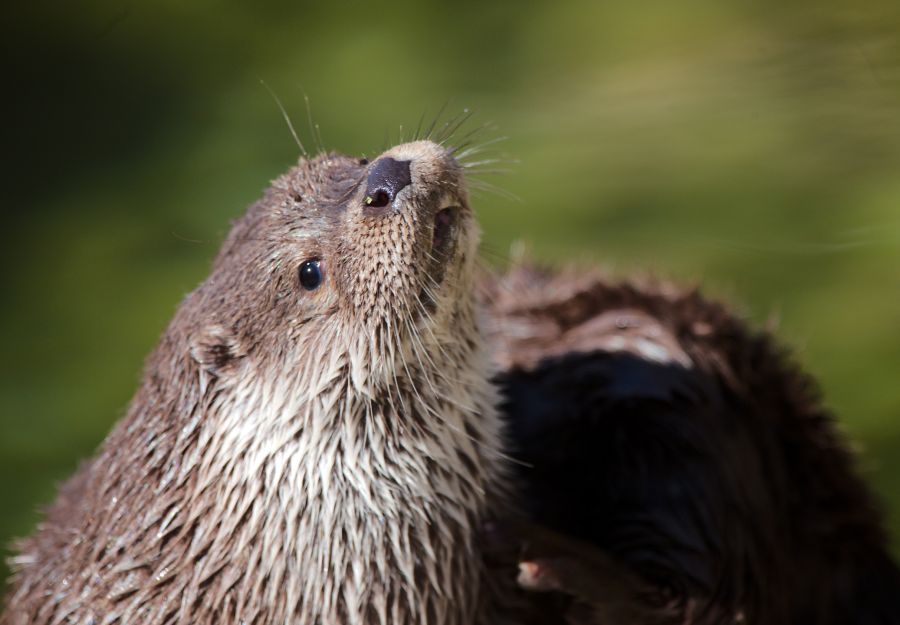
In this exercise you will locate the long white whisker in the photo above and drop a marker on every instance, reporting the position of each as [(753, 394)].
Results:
[(480, 147), (481, 185), (287, 118)]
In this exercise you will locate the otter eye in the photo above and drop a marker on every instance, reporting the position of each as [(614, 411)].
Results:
[(310, 274)]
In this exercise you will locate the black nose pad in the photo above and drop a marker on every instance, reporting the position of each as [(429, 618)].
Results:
[(386, 178)]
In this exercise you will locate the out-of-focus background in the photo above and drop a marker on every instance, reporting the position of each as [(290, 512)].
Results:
[(752, 145)]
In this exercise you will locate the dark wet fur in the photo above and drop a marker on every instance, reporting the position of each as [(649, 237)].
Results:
[(718, 493)]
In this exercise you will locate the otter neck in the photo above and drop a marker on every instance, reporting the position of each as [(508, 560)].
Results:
[(364, 502)]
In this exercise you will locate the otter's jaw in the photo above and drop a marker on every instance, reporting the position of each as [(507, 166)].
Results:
[(444, 241), (411, 219), (444, 221)]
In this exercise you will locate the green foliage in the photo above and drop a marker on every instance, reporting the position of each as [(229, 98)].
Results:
[(748, 145)]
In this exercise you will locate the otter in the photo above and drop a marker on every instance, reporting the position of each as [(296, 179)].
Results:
[(346, 423), (315, 439), (676, 466)]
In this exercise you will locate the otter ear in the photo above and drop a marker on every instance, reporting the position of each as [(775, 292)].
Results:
[(216, 349)]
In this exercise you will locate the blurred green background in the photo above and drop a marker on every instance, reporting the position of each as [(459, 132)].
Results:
[(752, 145)]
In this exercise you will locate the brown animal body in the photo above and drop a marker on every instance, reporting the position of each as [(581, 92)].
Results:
[(317, 440)]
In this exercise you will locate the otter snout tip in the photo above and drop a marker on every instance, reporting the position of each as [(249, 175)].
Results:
[(387, 177)]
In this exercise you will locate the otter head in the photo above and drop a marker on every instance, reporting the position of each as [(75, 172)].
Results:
[(346, 266)]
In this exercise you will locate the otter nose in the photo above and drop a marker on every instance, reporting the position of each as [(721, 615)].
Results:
[(386, 179)]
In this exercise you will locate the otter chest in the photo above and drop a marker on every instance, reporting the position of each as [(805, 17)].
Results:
[(357, 516)]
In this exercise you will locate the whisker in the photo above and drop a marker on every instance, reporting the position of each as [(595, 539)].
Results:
[(488, 161), (479, 147), (436, 342), (287, 118), (481, 185), (468, 139), (313, 128), (495, 255), (454, 125), (437, 393), (474, 440), (442, 133), (187, 240), (395, 342), (436, 119), (493, 171), (418, 132)]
